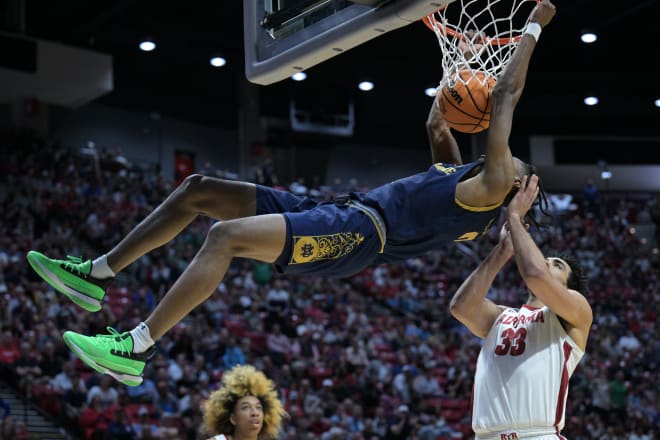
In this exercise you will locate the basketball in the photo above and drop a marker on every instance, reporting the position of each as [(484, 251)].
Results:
[(466, 106)]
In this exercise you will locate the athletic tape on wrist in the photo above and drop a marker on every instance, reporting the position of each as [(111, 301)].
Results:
[(534, 29)]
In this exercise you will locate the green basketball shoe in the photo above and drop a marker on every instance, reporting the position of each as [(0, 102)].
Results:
[(111, 354), (72, 278)]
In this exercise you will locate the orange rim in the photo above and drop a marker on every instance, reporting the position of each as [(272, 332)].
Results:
[(430, 22)]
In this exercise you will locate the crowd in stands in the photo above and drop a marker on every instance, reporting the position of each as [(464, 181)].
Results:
[(376, 356)]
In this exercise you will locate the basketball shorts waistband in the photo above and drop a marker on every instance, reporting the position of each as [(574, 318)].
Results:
[(523, 433)]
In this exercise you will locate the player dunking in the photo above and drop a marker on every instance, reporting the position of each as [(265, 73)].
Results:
[(402, 219), (528, 354)]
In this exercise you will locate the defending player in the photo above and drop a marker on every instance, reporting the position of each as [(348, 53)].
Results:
[(528, 354), (402, 219)]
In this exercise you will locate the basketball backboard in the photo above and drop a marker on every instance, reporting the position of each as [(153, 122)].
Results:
[(283, 37)]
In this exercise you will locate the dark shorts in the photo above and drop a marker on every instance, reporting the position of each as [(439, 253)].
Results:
[(321, 238)]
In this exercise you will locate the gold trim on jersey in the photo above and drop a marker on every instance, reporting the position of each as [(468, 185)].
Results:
[(310, 248), (468, 236), (444, 169), (476, 208)]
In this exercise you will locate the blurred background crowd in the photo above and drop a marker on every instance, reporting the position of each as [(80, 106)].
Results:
[(376, 356)]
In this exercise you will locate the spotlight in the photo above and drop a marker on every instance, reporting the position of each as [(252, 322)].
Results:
[(147, 45), (588, 37), (591, 100), (366, 86), (218, 61)]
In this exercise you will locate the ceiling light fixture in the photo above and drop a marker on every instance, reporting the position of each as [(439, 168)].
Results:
[(299, 76), (431, 92), (366, 86), (591, 100), (218, 61), (147, 45), (588, 37)]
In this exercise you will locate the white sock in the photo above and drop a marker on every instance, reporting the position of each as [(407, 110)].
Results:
[(141, 338), (100, 268)]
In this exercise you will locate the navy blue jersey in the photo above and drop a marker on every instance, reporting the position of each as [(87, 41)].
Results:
[(421, 212)]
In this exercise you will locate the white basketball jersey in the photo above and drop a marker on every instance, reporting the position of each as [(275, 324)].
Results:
[(521, 382)]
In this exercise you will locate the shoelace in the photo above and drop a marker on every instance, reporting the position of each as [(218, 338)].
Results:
[(73, 265), (115, 341)]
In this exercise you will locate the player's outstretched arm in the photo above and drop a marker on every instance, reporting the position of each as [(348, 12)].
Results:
[(469, 305), (499, 172), (444, 148), (566, 303)]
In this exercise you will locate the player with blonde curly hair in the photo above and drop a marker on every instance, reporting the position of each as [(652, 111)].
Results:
[(245, 407)]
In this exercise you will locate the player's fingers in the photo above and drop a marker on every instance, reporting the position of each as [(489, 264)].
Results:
[(533, 182), (523, 183)]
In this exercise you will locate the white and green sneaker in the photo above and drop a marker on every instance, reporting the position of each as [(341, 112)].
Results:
[(72, 278), (111, 354)]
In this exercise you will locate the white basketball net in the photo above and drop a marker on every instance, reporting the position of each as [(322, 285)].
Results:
[(479, 35)]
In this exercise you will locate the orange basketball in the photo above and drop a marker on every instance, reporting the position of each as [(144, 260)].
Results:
[(467, 105)]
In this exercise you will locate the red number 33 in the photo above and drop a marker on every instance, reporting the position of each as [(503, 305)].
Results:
[(512, 342)]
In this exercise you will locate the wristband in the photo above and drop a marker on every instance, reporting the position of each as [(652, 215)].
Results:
[(533, 29)]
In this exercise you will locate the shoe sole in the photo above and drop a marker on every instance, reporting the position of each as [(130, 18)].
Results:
[(82, 300), (126, 379)]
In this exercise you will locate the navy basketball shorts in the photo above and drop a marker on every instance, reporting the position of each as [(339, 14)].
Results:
[(321, 238)]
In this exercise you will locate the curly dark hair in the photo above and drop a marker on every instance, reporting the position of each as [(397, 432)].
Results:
[(241, 381), (578, 279), (541, 201)]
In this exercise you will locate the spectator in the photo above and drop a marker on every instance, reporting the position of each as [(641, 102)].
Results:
[(26, 366), (105, 391), (403, 383), (618, 393), (591, 195), (600, 396), (145, 393), (120, 427), (64, 380), (176, 367), (356, 354), (166, 400), (9, 351), (74, 399), (143, 427), (94, 419), (401, 426), (279, 345), (277, 301), (425, 385), (169, 427), (5, 409), (49, 360), (233, 355), (628, 342)]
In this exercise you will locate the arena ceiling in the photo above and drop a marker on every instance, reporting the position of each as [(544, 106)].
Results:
[(177, 79)]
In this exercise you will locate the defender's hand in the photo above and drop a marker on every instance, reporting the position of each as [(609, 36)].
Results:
[(525, 197)]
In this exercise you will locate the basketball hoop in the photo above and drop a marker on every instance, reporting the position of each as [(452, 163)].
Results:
[(478, 35)]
